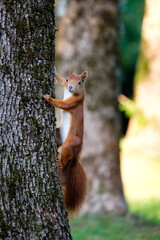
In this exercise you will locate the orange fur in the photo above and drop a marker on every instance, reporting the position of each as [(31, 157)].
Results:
[(72, 173), (75, 190)]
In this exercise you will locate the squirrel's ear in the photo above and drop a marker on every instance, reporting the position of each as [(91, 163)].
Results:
[(84, 75), (70, 71)]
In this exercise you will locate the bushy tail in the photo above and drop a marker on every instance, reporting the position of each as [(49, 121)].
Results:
[(75, 187)]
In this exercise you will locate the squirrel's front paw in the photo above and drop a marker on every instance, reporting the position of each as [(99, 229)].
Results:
[(46, 97)]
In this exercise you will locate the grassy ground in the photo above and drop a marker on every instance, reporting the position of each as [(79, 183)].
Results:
[(114, 228), (141, 179)]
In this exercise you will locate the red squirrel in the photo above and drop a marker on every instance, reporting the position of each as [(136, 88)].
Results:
[(70, 136)]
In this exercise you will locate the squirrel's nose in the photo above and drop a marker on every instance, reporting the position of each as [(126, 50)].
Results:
[(70, 87)]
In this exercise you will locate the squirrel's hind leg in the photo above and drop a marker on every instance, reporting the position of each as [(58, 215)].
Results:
[(58, 137)]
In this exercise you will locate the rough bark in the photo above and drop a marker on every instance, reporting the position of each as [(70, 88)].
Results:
[(88, 40), (31, 202), (143, 131)]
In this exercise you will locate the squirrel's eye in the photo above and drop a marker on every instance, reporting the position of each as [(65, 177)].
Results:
[(67, 80), (79, 82)]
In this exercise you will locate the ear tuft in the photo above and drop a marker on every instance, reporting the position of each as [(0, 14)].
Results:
[(84, 75), (70, 71)]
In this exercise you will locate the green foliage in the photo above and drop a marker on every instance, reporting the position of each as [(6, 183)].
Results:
[(129, 107), (142, 68), (131, 15)]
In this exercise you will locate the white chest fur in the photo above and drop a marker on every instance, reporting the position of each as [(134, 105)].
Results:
[(65, 119)]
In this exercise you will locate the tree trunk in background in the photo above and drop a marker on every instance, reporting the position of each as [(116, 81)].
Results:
[(144, 129), (88, 40), (31, 202)]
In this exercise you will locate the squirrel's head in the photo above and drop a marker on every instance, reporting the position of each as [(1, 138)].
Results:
[(75, 83)]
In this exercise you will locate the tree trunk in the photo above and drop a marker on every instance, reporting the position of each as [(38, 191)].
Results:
[(143, 131), (31, 202), (88, 40)]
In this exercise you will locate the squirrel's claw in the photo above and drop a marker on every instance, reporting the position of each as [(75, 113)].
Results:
[(55, 71), (46, 97), (59, 163)]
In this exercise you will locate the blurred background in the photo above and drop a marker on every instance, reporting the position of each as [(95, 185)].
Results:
[(118, 43)]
